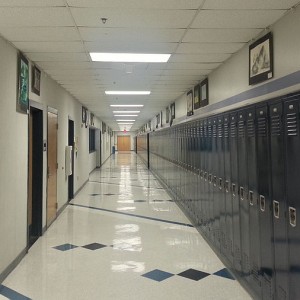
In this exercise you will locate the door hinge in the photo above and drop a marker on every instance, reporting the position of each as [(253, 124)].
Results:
[(56, 166)]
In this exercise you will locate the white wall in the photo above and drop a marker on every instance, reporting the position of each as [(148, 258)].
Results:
[(14, 153)]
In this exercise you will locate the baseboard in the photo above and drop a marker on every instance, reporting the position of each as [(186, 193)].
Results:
[(12, 265), (77, 192), (61, 209)]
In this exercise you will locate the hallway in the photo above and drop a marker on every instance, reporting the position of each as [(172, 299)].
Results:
[(122, 237)]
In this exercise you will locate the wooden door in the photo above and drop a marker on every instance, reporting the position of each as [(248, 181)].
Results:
[(124, 143), (52, 168)]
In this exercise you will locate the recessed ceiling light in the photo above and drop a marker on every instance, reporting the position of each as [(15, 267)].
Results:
[(127, 92), (125, 115), (126, 111), (125, 123), (125, 120), (126, 105), (130, 57)]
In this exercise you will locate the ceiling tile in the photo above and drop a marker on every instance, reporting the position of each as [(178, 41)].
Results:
[(220, 35), (184, 73), (131, 35), (209, 47), (192, 66), (236, 18), (35, 16), (12, 3), (144, 4), (66, 65), (246, 4), (57, 57), (137, 47), (50, 46), (201, 58), (40, 34), (133, 18)]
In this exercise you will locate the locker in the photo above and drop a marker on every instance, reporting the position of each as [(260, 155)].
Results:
[(279, 207), (234, 188), (292, 150), (203, 134), (228, 243), (220, 183), (243, 192), (207, 137), (214, 197), (200, 161), (254, 225), (265, 204)]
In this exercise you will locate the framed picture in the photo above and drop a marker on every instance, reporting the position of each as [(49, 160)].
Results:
[(197, 96), (149, 125), (204, 93), (83, 115), (103, 127), (36, 80), (189, 102), (157, 120), (87, 118), (23, 84), (172, 108), (167, 114), (261, 59), (161, 118), (92, 120)]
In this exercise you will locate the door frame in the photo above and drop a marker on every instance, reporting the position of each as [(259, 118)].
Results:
[(70, 197)]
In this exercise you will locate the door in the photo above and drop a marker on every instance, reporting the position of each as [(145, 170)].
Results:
[(35, 175), (52, 168), (71, 177), (124, 143)]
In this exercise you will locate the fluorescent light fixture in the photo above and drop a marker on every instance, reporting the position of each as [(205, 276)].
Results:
[(127, 105), (126, 111), (130, 57), (125, 123), (125, 115), (127, 92), (125, 120)]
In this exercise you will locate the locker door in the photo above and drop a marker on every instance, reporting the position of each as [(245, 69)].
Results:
[(199, 160), (203, 134), (220, 183), (292, 150), (243, 192), (226, 191), (214, 196), (234, 188), (264, 201), (279, 205), (254, 227)]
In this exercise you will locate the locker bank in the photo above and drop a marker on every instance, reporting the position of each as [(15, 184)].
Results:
[(149, 149)]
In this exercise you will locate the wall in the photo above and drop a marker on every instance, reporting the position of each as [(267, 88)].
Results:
[(14, 154)]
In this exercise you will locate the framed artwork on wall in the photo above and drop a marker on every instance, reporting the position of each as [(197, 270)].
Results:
[(36, 81), (172, 108), (23, 84), (204, 93), (83, 114), (161, 118), (197, 96), (189, 102), (167, 114), (87, 118), (103, 127), (261, 59)]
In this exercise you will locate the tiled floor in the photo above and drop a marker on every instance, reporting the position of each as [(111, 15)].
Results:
[(122, 237)]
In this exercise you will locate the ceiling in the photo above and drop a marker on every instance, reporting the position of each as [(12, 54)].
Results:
[(200, 34)]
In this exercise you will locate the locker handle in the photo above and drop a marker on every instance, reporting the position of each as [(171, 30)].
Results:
[(220, 183), (215, 180), (210, 178), (276, 209), (262, 201), (292, 216), (201, 174), (242, 193), (205, 176), (226, 186), (233, 189), (251, 198)]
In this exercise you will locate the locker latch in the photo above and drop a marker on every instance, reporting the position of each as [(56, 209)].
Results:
[(251, 198), (262, 201), (276, 209), (227, 186), (210, 178), (242, 193), (215, 180), (292, 214), (201, 174), (220, 183), (205, 176), (233, 189)]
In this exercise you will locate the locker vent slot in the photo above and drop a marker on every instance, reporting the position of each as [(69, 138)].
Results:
[(232, 130), (226, 130), (241, 130), (291, 124), (276, 125), (220, 131), (209, 129), (214, 131), (250, 128), (262, 127)]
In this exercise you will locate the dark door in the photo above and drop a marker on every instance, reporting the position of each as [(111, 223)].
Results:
[(35, 176), (71, 177)]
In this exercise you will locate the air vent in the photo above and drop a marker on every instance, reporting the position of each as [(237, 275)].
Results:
[(226, 130), (276, 125), (220, 131), (262, 127), (291, 124), (214, 130), (241, 127), (233, 130), (250, 128)]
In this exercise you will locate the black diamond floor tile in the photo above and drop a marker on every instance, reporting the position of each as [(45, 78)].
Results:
[(224, 273), (65, 247), (94, 246), (158, 275), (193, 274), (109, 194)]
